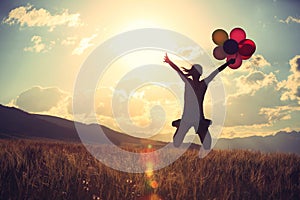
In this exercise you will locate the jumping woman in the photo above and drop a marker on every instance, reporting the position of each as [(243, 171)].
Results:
[(194, 92)]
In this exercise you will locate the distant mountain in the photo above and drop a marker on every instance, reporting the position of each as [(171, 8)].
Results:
[(285, 142), (15, 123), (282, 141)]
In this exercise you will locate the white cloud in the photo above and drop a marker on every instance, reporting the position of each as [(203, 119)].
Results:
[(291, 86), (295, 66), (259, 61), (84, 44), (38, 45), (50, 101), (103, 104), (69, 41), (254, 81), (246, 131), (190, 52), (255, 63), (276, 113), (32, 17), (249, 77), (253, 91), (141, 113), (63, 108), (290, 19), (243, 110), (256, 104), (38, 99)]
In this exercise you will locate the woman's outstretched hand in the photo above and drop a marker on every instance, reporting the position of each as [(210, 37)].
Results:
[(231, 61), (166, 59)]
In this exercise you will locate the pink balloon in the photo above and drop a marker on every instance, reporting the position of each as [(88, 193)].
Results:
[(219, 53), (238, 60), (238, 34), (247, 47)]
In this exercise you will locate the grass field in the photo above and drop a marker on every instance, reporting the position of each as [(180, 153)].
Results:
[(53, 170)]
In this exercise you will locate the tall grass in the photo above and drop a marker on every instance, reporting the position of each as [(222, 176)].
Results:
[(52, 170)]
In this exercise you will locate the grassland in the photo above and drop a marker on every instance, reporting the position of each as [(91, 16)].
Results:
[(53, 170)]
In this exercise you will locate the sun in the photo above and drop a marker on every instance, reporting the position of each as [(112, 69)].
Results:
[(141, 23)]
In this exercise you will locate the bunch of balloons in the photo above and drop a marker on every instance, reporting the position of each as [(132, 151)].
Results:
[(237, 46)]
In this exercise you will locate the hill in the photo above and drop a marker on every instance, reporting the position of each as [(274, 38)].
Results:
[(15, 123), (285, 142)]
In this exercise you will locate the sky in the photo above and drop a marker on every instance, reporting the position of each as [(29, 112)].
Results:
[(45, 43)]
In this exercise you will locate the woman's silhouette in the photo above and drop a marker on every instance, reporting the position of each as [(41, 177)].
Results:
[(194, 93)]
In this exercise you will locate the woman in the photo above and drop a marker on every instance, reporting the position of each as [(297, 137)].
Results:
[(194, 93)]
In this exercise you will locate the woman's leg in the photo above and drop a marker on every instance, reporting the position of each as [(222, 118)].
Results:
[(205, 138), (180, 133)]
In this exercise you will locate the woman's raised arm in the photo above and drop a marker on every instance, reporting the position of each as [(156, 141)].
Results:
[(221, 68), (175, 67)]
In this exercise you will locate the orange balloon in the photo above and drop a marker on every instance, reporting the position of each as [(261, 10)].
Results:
[(219, 36)]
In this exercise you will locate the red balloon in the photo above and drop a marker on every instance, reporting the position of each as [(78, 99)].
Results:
[(219, 53), (238, 34), (238, 60), (246, 48), (245, 57)]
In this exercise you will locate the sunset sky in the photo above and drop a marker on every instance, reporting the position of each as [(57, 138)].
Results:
[(44, 43)]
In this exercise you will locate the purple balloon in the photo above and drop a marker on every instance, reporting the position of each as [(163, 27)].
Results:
[(230, 46), (219, 53)]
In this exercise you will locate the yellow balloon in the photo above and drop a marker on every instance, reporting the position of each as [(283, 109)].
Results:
[(219, 36)]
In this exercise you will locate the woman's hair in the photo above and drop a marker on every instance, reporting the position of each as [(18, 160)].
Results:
[(196, 69)]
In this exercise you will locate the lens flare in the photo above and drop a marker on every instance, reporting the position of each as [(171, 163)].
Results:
[(154, 184), (150, 162)]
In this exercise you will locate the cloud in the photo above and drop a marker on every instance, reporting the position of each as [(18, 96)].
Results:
[(254, 77), (290, 19), (84, 44), (277, 113), (48, 101), (190, 52), (32, 17), (249, 77), (63, 108), (295, 66), (291, 86), (246, 131), (146, 111), (261, 104), (69, 41), (243, 110), (259, 61), (38, 45), (103, 104), (254, 81), (254, 91), (38, 99)]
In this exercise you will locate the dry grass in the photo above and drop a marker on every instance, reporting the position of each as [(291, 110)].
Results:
[(49, 170)]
